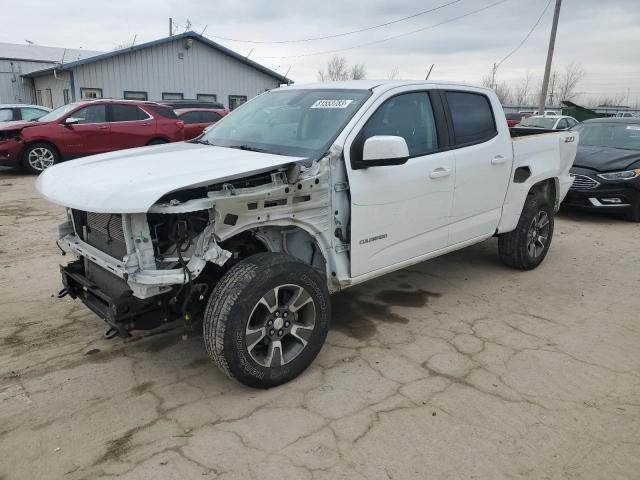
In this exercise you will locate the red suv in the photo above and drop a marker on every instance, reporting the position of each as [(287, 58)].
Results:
[(197, 119), (87, 128)]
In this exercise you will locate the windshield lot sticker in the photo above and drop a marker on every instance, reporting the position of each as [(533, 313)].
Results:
[(331, 104), (633, 127)]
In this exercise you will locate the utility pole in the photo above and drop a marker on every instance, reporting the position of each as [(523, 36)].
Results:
[(493, 76), (170, 26), (547, 68)]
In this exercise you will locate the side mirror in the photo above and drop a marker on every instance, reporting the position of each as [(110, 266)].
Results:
[(384, 150), (71, 120)]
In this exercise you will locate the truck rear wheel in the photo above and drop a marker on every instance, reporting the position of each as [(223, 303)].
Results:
[(267, 319), (525, 247)]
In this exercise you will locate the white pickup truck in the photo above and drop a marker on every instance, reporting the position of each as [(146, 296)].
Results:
[(303, 191)]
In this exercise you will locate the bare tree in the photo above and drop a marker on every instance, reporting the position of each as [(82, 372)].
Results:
[(358, 71), (613, 100), (522, 90), (394, 73), (569, 80), (338, 70), (502, 89)]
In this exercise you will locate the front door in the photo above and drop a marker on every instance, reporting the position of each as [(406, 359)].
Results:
[(483, 160), (399, 212), (87, 137)]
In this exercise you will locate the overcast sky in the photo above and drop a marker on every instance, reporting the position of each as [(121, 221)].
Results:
[(603, 36)]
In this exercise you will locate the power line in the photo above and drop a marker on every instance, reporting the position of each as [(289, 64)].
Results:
[(388, 38), (526, 36), (336, 35)]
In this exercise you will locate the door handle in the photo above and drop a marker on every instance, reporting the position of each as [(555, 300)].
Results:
[(440, 173), (146, 124), (498, 160), (103, 127)]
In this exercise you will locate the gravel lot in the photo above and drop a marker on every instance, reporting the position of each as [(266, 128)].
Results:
[(454, 368)]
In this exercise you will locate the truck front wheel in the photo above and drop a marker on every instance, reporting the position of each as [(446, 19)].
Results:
[(267, 319), (525, 247)]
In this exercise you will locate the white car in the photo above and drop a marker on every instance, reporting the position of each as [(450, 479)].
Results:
[(549, 122), (19, 111), (302, 191)]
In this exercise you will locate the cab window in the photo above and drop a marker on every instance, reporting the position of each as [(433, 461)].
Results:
[(472, 117), (409, 116)]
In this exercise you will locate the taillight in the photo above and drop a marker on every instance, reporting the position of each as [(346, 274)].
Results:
[(180, 124)]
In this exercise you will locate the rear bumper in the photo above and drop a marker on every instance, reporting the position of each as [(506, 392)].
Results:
[(11, 152)]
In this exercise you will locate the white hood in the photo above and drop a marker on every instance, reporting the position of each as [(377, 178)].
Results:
[(131, 181)]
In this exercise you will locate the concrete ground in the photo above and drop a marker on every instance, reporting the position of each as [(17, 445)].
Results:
[(454, 368)]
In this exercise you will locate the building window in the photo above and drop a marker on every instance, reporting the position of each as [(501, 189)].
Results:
[(65, 95), (39, 97), (236, 100), (206, 97), (131, 95), (90, 93), (172, 96)]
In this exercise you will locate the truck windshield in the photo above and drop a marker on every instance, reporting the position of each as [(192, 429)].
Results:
[(296, 122)]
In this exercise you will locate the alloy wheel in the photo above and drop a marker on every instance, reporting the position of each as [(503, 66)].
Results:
[(280, 325), (538, 234), (41, 158)]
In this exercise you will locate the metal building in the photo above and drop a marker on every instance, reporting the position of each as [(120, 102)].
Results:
[(185, 66), (17, 60)]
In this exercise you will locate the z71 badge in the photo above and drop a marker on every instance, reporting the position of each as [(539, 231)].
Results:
[(373, 239)]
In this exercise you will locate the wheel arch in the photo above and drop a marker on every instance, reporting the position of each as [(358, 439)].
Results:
[(550, 189), (294, 240), (31, 142)]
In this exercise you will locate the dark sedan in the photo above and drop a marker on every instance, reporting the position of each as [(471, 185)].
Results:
[(606, 170)]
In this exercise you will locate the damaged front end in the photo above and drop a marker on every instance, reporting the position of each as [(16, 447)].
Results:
[(140, 270)]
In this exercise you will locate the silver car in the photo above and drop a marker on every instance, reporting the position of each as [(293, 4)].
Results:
[(20, 111)]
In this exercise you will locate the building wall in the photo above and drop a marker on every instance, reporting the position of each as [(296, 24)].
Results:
[(13, 87), (160, 68), (57, 83)]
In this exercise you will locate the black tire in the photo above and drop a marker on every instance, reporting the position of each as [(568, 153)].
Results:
[(633, 215), (157, 141), (39, 156), (515, 247), (238, 304)]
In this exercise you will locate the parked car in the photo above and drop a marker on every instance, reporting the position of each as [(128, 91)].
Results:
[(607, 167), (252, 225), (193, 104), (514, 118), (197, 119), (20, 111), (86, 128), (549, 122)]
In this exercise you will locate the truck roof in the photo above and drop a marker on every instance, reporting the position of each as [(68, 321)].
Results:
[(378, 84)]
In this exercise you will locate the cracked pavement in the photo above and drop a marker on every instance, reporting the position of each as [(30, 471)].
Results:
[(454, 368)]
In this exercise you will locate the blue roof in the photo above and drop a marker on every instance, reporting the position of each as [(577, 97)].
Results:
[(194, 35)]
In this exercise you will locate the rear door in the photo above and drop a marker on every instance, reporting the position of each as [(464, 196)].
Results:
[(399, 212), (192, 124), (130, 126), (90, 135), (483, 159)]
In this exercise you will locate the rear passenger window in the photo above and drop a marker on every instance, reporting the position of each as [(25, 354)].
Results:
[(472, 117), (408, 116), (163, 111), (210, 117), (127, 113), (191, 117)]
